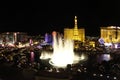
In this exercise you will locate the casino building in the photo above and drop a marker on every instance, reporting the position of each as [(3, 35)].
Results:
[(76, 34), (110, 35), (12, 37)]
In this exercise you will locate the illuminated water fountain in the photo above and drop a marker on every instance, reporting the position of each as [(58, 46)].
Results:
[(63, 53)]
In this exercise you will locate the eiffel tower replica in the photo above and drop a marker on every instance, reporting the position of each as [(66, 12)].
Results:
[(75, 31)]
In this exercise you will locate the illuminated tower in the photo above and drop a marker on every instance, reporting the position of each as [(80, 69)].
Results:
[(75, 30), (76, 23), (77, 34)]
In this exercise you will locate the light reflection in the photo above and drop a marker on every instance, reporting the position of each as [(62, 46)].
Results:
[(63, 53)]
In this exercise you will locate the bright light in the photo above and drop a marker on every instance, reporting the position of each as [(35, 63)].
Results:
[(82, 57), (45, 56), (115, 27), (106, 57), (116, 45), (62, 52), (108, 44), (10, 44)]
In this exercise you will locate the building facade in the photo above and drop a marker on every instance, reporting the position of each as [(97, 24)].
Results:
[(110, 34), (12, 37), (76, 34)]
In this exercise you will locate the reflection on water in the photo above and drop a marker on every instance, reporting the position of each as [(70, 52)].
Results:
[(77, 57), (104, 57)]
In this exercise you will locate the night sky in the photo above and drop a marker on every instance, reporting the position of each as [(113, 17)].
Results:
[(91, 15), (56, 15)]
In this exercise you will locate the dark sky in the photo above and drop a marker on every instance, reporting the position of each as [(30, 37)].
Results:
[(91, 14), (38, 18), (23, 16)]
